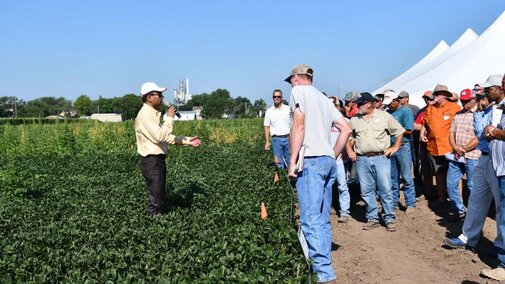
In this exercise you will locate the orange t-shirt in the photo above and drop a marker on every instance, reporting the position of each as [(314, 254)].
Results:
[(438, 120)]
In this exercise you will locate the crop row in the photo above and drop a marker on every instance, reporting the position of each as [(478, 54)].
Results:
[(80, 217)]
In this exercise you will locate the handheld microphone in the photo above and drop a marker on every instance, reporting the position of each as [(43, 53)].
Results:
[(176, 112)]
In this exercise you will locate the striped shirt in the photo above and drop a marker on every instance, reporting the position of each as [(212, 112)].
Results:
[(279, 120), (463, 130), (497, 148)]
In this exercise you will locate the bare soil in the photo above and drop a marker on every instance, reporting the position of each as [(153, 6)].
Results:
[(413, 254)]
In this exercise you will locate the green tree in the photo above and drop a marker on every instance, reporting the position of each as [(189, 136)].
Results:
[(218, 103), (260, 106), (83, 105)]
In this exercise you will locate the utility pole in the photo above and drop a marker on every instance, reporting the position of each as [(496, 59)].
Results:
[(15, 108)]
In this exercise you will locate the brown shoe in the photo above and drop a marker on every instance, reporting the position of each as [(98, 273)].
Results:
[(496, 274), (343, 219), (370, 224), (391, 226), (410, 211)]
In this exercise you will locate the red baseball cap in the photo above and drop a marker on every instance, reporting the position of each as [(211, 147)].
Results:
[(466, 95)]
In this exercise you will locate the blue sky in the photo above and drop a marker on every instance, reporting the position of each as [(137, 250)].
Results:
[(109, 48)]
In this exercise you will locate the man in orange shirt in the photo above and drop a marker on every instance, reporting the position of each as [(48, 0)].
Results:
[(435, 132)]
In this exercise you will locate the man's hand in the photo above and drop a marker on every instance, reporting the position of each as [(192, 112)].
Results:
[(352, 156), (424, 138), (171, 112), (459, 150), (291, 172), (267, 146), (390, 151), (488, 132), (194, 141)]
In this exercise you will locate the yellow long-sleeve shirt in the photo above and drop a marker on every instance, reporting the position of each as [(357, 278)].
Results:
[(152, 136)]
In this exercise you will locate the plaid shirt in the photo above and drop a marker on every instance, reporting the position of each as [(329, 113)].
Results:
[(464, 132)]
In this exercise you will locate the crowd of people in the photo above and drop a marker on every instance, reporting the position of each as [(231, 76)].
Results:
[(386, 145)]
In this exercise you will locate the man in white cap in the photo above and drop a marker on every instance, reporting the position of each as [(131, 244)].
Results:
[(152, 138), (495, 131), (313, 117)]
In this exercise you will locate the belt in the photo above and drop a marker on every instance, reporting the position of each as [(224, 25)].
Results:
[(281, 136), (371, 154), (157, 155), (484, 153)]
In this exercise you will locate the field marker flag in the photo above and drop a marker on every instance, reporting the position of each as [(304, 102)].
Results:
[(263, 213)]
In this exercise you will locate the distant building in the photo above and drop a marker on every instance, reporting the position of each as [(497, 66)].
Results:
[(107, 117)]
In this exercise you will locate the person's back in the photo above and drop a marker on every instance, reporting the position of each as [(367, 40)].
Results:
[(319, 116)]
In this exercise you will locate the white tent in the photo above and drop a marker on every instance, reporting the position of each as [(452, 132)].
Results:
[(473, 64), (464, 40), (432, 55)]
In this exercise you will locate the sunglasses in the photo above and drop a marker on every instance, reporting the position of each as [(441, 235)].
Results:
[(277, 97)]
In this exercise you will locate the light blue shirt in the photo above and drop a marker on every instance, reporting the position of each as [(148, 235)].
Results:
[(481, 119), (406, 119)]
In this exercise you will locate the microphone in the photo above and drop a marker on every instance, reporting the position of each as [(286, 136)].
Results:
[(176, 111)]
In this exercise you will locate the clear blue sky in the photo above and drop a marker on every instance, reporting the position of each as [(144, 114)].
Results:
[(109, 48)]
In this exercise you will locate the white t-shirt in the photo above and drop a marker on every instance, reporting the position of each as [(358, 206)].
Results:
[(279, 120), (320, 114)]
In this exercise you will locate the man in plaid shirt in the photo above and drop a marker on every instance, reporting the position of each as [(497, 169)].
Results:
[(463, 142)]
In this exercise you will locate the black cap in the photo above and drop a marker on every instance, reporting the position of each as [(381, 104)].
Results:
[(364, 98)]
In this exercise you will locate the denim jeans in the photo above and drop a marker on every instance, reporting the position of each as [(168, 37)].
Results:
[(401, 165), (280, 146), (485, 190), (455, 172), (314, 186), (376, 172), (344, 199), (501, 222)]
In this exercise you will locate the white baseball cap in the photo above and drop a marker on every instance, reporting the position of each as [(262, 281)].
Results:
[(493, 80), (150, 87), (389, 97)]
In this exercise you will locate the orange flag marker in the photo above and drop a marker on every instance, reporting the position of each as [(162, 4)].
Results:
[(263, 213), (276, 178)]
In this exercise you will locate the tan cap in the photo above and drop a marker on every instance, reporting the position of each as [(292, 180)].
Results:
[(441, 90), (300, 69)]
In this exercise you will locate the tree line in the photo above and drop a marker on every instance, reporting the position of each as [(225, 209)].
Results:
[(214, 105)]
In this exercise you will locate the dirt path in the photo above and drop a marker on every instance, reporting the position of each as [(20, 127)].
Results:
[(412, 254)]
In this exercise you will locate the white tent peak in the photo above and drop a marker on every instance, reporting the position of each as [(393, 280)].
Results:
[(463, 41), (472, 64), (440, 48)]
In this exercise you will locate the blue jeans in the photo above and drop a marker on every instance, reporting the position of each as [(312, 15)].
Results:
[(376, 172), (455, 172), (344, 199), (401, 164), (280, 146), (314, 186), (501, 222)]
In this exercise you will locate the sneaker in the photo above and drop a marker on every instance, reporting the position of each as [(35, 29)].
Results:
[(391, 226), (370, 224), (457, 217), (455, 243), (494, 252), (410, 210), (496, 274), (343, 219)]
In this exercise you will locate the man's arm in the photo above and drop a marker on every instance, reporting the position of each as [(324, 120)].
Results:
[(267, 138), (350, 151), (458, 149), (471, 145), (391, 150), (494, 132), (296, 139), (345, 130)]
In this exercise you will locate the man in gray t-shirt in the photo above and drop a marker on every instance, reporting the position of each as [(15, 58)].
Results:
[(313, 117)]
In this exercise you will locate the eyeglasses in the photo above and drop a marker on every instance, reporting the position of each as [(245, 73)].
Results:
[(277, 97), (160, 95)]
